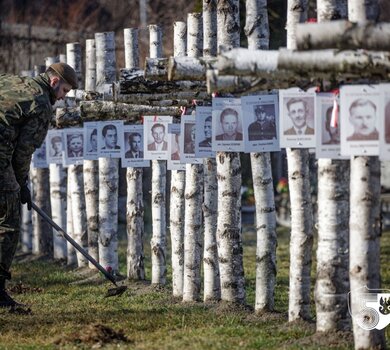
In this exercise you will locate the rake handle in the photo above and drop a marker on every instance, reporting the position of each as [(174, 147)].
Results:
[(74, 244)]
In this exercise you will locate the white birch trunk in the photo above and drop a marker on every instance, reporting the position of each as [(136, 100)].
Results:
[(332, 282), (257, 31), (209, 28), (256, 25), (158, 241), (135, 207), (159, 173), (179, 39), (361, 11), (178, 180), (108, 213), (193, 229), (176, 224), (229, 241), (296, 13), (212, 282), (42, 243), (266, 231), (108, 167), (72, 258), (26, 230), (58, 208), (364, 233), (75, 172), (228, 24), (230, 250), (300, 198), (193, 226), (90, 65), (91, 167), (76, 189), (135, 225), (91, 191), (131, 47)]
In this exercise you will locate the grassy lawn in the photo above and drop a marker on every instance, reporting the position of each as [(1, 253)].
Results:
[(68, 316)]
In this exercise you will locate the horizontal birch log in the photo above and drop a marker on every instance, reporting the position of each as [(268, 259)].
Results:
[(108, 110), (339, 63), (343, 35), (189, 68), (156, 68), (184, 97), (141, 85), (247, 84), (320, 63)]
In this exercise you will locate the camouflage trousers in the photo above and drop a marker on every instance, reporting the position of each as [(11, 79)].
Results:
[(9, 232)]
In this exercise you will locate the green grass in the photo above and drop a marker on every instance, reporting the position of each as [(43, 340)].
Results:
[(151, 318)]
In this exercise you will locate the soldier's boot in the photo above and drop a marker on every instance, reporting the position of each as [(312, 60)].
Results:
[(5, 299)]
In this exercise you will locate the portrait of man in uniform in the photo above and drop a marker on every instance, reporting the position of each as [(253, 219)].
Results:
[(263, 128)]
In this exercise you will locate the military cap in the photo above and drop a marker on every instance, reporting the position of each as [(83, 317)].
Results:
[(66, 72)]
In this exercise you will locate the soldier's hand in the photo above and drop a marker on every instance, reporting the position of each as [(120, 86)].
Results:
[(25, 196)]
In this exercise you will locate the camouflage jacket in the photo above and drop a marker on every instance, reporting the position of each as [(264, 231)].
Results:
[(25, 113)]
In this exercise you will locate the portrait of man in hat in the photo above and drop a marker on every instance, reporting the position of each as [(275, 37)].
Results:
[(263, 128)]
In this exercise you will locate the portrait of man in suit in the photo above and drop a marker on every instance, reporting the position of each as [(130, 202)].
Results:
[(362, 116), (297, 111), (135, 143), (207, 127), (229, 125), (56, 146), (75, 145), (110, 137), (158, 133)]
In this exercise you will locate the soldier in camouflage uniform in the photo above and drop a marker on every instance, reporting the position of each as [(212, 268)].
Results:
[(25, 113)]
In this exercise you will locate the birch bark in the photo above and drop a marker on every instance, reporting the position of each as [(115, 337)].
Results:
[(71, 251), (75, 172), (58, 191), (135, 206), (212, 282), (159, 170), (193, 227), (178, 180), (332, 282), (91, 167), (257, 32), (300, 198), (108, 167), (230, 251)]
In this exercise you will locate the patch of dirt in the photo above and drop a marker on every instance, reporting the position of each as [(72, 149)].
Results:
[(21, 288), (224, 307), (266, 316), (95, 335), (336, 339)]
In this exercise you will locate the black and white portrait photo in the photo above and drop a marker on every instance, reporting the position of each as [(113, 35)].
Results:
[(39, 159), (110, 137), (361, 106), (54, 147), (91, 140), (328, 126), (297, 118), (74, 145), (227, 125), (204, 132), (261, 122), (384, 123), (174, 163), (156, 136), (133, 147), (187, 141)]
